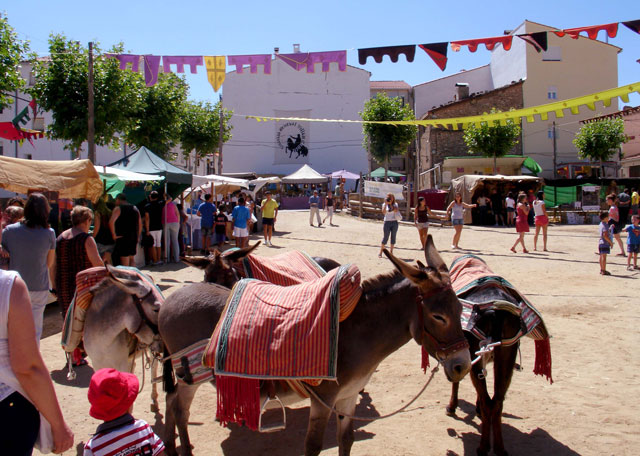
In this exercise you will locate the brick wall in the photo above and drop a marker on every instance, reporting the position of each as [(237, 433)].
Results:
[(437, 143)]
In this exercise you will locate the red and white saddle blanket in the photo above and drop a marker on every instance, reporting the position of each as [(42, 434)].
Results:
[(289, 268), (470, 273), (267, 331), (73, 327)]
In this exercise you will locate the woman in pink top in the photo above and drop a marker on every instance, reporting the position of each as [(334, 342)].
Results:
[(171, 223)]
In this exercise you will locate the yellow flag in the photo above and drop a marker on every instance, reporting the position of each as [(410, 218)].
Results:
[(216, 70)]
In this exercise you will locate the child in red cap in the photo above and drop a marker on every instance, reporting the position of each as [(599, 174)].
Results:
[(112, 394)]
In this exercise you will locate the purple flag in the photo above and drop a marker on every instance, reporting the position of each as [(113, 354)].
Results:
[(340, 57), (133, 59), (151, 67), (252, 60), (180, 61)]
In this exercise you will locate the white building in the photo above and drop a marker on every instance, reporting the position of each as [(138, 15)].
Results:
[(569, 68), (280, 148)]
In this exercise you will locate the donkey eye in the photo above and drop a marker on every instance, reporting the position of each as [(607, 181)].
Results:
[(439, 319)]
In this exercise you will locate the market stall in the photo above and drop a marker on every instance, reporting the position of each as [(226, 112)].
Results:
[(298, 187), (115, 179)]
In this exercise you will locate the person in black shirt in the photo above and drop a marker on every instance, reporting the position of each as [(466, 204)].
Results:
[(220, 229), (126, 228), (497, 203), (153, 224)]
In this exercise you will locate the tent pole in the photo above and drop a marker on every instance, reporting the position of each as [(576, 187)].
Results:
[(166, 231)]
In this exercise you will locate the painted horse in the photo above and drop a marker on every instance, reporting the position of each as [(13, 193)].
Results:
[(411, 302)]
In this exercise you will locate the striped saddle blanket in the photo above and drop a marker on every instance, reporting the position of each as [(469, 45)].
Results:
[(73, 326), (268, 331), (290, 268), (470, 273)]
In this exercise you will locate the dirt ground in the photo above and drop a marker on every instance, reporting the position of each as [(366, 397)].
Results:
[(591, 409)]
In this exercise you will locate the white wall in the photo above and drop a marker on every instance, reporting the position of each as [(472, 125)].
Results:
[(510, 66), (441, 91), (332, 95)]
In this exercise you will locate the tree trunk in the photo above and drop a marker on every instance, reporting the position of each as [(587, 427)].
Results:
[(386, 168), (495, 164)]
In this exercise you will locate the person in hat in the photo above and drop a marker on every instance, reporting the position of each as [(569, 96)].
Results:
[(111, 395)]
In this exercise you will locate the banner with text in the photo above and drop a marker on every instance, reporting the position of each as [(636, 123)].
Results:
[(292, 138), (380, 189)]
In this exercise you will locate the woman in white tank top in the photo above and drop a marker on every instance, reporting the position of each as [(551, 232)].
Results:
[(542, 221), (456, 212)]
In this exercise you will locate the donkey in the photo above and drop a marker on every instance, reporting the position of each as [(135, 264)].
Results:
[(224, 269), (115, 327), (498, 325), (384, 320)]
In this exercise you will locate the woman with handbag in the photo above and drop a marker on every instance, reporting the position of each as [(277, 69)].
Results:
[(391, 218)]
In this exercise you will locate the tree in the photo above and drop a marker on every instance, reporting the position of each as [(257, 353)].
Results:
[(385, 141), (61, 88), (495, 141), (12, 51), (599, 140), (155, 123), (200, 128)]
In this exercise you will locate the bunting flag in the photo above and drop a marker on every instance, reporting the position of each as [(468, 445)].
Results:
[(151, 67), (180, 61), (592, 31), (216, 70), (22, 117), (518, 115), (538, 40), (252, 60), (34, 106), (633, 25), (393, 52), (437, 52), (489, 43), (9, 131), (300, 60), (126, 59)]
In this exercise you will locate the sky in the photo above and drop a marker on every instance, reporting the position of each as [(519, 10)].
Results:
[(201, 27)]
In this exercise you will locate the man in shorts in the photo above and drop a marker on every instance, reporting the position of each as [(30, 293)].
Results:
[(240, 216), (206, 211), (269, 208), (220, 221), (153, 224)]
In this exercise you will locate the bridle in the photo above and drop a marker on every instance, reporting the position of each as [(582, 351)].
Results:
[(143, 316), (442, 350)]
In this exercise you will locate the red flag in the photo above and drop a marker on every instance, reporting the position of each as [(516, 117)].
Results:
[(438, 52)]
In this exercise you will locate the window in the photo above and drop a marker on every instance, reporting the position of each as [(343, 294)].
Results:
[(550, 132), (1, 148), (38, 123), (28, 156), (552, 93), (552, 54)]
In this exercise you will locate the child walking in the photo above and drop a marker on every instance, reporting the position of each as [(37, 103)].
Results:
[(112, 394), (633, 242), (605, 242)]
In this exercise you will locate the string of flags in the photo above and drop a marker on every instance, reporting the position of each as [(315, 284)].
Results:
[(216, 64), (517, 115)]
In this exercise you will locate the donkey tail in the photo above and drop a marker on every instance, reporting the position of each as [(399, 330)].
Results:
[(168, 378)]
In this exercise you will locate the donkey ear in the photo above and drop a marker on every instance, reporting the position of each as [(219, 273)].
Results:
[(198, 262), (431, 254), (420, 264), (410, 272), (133, 287), (239, 254)]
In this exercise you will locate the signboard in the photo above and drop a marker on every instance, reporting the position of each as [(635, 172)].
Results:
[(380, 189), (590, 197), (292, 138)]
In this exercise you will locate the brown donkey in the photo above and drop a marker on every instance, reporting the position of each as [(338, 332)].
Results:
[(412, 302)]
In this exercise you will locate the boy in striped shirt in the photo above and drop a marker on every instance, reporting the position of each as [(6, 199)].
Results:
[(112, 394)]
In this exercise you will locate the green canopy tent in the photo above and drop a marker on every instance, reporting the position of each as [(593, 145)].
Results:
[(146, 162), (380, 173)]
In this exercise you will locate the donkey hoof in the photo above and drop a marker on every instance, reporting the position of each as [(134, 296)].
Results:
[(154, 408), (450, 411)]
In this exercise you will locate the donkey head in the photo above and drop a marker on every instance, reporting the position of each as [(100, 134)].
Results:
[(219, 268), (436, 325)]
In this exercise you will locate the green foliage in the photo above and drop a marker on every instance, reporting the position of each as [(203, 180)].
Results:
[(155, 123), (12, 51), (385, 141), (61, 88), (598, 141), (200, 128), (492, 141)]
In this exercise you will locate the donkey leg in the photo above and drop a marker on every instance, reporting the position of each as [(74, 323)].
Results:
[(484, 402), (453, 402), (318, 418), (184, 397), (345, 424), (154, 386), (504, 361), (169, 437)]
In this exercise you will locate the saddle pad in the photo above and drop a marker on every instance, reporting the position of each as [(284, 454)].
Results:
[(73, 326), (470, 273), (187, 364), (275, 332), (291, 268)]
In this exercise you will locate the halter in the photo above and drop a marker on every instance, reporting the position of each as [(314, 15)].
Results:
[(442, 350), (143, 317)]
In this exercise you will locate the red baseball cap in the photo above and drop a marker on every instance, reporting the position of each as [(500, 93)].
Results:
[(111, 393)]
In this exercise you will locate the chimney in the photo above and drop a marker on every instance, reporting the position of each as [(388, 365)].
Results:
[(462, 90), (296, 48), (276, 50)]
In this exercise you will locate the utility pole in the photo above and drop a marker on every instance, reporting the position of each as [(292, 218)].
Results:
[(220, 138), (555, 170), (16, 107), (91, 145)]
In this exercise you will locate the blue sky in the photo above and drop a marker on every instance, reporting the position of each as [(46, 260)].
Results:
[(256, 27)]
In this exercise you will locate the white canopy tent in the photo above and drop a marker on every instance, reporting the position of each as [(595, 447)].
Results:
[(108, 172), (305, 175), (261, 182)]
